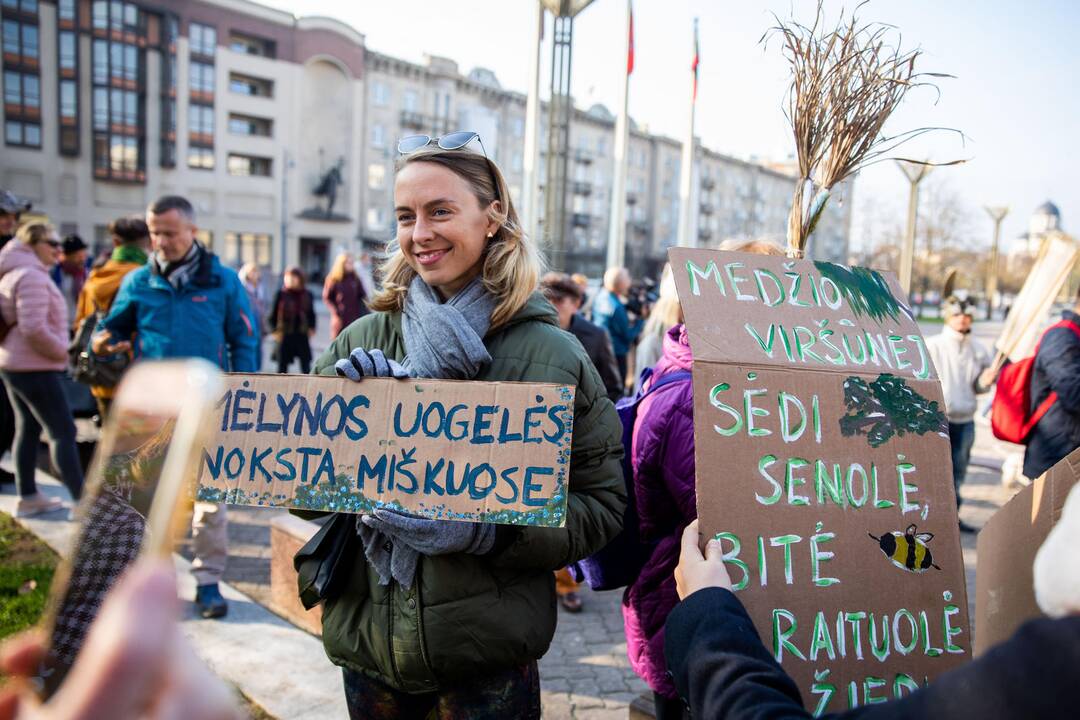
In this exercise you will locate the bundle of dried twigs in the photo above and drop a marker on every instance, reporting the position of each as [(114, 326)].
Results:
[(845, 83)]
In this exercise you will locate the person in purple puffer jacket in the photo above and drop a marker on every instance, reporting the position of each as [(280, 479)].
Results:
[(663, 461)]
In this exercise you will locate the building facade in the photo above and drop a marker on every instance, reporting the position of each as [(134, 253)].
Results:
[(283, 133)]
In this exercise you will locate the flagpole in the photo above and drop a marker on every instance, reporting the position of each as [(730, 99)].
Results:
[(531, 162), (616, 249), (688, 238)]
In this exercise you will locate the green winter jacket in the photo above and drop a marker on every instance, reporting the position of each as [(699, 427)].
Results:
[(470, 614)]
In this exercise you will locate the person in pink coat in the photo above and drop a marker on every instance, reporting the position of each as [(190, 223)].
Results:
[(33, 357)]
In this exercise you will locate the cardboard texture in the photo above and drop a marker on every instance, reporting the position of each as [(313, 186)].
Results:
[(1004, 582), (484, 452), (1024, 325), (823, 466)]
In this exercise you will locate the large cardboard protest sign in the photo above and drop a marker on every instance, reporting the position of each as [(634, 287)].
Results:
[(1023, 327), (823, 468), (486, 452), (1004, 583)]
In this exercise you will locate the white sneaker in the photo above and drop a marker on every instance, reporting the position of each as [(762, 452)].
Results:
[(37, 504)]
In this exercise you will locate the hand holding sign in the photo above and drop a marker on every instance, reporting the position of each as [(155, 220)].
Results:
[(696, 571)]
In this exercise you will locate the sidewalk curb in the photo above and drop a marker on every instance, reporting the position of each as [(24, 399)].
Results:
[(276, 665)]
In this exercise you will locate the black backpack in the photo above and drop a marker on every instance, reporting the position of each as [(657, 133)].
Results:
[(92, 369)]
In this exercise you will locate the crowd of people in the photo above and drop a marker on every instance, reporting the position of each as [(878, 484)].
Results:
[(450, 618)]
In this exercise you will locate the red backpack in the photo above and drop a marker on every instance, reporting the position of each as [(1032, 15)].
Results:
[(1010, 418)]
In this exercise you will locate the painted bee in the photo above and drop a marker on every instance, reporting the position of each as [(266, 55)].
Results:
[(907, 550)]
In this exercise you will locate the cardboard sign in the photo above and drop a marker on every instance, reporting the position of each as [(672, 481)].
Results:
[(1024, 325), (1004, 584), (823, 468), (477, 451)]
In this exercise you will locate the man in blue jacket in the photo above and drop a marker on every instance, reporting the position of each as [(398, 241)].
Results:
[(184, 304), (609, 312), (1057, 369)]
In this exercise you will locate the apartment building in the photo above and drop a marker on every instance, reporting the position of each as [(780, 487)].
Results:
[(258, 117)]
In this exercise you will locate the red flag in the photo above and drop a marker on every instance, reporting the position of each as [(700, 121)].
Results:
[(697, 59), (630, 53)]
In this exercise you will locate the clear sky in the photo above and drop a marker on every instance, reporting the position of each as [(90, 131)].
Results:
[(1014, 95)]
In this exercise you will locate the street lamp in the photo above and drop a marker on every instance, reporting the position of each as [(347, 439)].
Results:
[(997, 214), (915, 173)]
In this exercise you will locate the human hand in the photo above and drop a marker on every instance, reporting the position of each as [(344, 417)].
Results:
[(311, 332), (363, 363), (694, 571), (987, 377), (101, 346), (135, 664), (432, 537)]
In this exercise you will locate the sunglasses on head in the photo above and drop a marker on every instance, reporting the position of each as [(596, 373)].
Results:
[(451, 141)]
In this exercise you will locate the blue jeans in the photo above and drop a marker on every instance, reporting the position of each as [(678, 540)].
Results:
[(39, 402), (961, 438)]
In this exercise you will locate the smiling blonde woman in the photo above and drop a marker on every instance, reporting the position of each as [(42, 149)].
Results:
[(450, 617)]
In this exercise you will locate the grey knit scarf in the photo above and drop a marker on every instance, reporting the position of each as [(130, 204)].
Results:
[(442, 340), (446, 339)]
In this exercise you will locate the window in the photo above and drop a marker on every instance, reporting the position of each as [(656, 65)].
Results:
[(515, 162), (101, 62), (66, 9), (123, 156), (202, 77), (30, 41), (201, 121), (19, 133), (250, 125), (378, 136), (203, 39), (248, 165), (12, 88), (251, 45), (376, 176), (201, 158), (101, 109), (67, 50), (247, 247), (380, 94), (100, 15), (20, 42), (517, 126), (409, 101), (69, 103), (247, 85), (375, 219)]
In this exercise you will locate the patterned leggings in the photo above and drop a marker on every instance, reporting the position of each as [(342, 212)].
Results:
[(513, 693)]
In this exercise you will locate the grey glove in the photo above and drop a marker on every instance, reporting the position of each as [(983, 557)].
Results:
[(363, 363), (391, 562), (432, 537)]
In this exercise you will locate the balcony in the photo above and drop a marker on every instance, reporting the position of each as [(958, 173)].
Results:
[(582, 220), (581, 188), (707, 209), (583, 157), (413, 120), (705, 234), (631, 198), (707, 183)]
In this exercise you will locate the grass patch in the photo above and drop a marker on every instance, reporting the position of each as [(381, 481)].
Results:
[(26, 570)]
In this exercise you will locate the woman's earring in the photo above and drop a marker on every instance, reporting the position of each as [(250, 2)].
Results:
[(491, 235)]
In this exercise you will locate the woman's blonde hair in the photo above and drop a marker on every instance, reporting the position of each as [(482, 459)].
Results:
[(32, 233), (343, 263), (666, 313), (512, 264)]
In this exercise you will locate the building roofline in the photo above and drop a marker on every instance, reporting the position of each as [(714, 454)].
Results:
[(322, 22)]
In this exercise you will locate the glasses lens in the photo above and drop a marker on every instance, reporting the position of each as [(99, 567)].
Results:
[(456, 140), (412, 143)]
